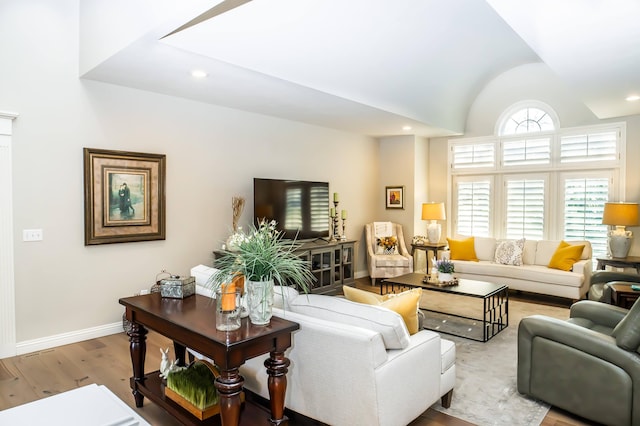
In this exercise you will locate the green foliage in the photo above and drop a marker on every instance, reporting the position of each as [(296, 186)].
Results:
[(195, 384), (445, 266), (264, 255)]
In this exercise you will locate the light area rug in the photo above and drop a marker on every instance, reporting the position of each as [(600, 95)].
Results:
[(486, 392)]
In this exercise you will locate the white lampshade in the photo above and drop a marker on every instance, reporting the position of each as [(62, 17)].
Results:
[(433, 212)]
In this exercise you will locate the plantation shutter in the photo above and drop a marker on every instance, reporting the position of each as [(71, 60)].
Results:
[(526, 151), (525, 199), (601, 146), (584, 200), (473, 155), (473, 202)]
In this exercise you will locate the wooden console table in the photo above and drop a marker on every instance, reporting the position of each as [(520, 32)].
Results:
[(190, 323)]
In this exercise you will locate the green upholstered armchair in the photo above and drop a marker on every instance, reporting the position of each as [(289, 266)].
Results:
[(600, 291), (588, 365)]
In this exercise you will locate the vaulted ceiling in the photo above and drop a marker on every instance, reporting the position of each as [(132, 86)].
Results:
[(364, 66)]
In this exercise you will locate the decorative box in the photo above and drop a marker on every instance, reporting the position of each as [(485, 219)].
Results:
[(177, 287)]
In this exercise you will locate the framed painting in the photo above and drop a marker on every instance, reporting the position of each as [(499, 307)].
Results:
[(394, 196), (124, 196)]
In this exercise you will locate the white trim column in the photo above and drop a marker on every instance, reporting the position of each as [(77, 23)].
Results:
[(7, 283)]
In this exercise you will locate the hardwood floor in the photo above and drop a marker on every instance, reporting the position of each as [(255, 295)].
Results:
[(106, 361)]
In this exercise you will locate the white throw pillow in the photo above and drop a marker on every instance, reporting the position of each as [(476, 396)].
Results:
[(509, 252)]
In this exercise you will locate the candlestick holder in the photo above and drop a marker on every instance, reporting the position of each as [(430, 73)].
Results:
[(228, 309), (343, 237), (335, 234)]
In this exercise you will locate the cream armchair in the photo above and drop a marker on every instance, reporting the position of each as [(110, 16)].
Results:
[(387, 265)]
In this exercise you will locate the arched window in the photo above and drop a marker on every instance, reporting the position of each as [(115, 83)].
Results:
[(532, 179), (527, 117)]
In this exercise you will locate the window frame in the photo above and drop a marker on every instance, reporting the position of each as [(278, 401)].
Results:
[(556, 172), (518, 106)]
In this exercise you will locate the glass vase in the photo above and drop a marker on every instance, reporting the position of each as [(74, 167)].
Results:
[(260, 295), (228, 309)]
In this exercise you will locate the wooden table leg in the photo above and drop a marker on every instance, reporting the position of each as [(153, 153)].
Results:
[(229, 385), (138, 348), (277, 366)]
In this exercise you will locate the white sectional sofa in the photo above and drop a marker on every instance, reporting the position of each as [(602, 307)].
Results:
[(533, 275)]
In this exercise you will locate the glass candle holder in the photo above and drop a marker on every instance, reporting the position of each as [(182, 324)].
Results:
[(228, 308)]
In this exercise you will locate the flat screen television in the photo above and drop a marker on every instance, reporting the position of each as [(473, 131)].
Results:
[(300, 208)]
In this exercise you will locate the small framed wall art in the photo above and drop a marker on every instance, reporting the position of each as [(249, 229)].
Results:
[(394, 196), (124, 196)]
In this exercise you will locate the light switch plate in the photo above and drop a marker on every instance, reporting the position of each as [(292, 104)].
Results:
[(32, 235)]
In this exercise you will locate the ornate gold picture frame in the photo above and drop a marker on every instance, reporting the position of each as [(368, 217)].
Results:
[(124, 196)]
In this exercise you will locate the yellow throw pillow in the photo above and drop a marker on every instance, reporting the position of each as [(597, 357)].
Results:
[(406, 304), (362, 296), (565, 256), (463, 249)]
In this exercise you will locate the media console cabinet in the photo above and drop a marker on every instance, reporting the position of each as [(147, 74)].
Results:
[(331, 262)]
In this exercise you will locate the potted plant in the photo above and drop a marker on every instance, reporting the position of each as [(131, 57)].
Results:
[(262, 257), (446, 268)]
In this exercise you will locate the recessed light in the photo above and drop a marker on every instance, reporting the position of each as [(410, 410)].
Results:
[(198, 74), (406, 128), (632, 98)]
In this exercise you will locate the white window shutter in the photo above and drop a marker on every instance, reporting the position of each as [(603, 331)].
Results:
[(473, 205), (601, 146), (584, 200), (525, 208), (526, 151), (473, 155)]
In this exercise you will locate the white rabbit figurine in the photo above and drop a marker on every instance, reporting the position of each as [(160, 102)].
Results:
[(165, 364)]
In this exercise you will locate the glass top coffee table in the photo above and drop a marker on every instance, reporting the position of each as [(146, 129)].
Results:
[(494, 299)]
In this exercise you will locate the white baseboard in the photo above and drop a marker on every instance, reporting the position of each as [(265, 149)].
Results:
[(66, 338), (361, 274)]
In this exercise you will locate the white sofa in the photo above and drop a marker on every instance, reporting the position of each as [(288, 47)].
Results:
[(533, 275), (352, 364)]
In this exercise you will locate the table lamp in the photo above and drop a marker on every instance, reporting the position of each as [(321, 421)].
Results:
[(433, 212), (620, 215)]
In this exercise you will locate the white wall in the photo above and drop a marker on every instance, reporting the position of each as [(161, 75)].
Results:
[(212, 154), (397, 168), (534, 82)]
